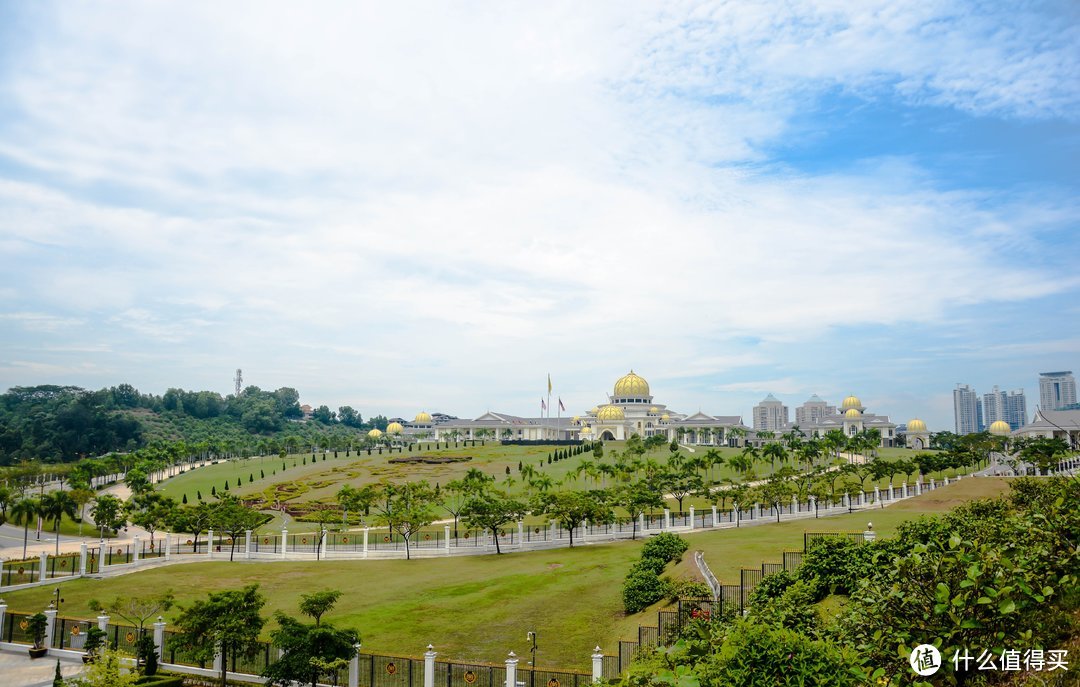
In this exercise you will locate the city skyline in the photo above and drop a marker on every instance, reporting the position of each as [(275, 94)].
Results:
[(401, 208)]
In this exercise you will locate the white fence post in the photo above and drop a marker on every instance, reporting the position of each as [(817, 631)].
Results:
[(429, 666), (159, 638), (50, 625), (354, 667), (135, 549), (597, 665), (446, 539), (3, 611), (43, 561), (247, 543), (82, 561), (210, 543), (511, 670), (365, 541), (103, 622), (667, 519), (691, 517), (284, 541), (165, 543), (521, 534), (714, 520)]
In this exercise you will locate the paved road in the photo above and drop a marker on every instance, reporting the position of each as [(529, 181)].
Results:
[(17, 669)]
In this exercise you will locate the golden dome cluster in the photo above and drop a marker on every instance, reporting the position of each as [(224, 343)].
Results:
[(916, 425), (394, 428), (1000, 428), (631, 385), (374, 434), (610, 413), (422, 418)]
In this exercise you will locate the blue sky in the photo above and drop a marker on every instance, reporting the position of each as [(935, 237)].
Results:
[(432, 207)]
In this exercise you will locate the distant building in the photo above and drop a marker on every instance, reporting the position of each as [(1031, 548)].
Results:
[(1053, 424), (813, 411), (1056, 390), (1010, 408), (967, 410), (770, 415)]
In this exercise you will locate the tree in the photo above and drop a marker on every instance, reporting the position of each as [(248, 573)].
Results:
[(54, 506), (406, 509), (228, 621), (682, 480), (108, 513), (571, 508), (23, 512), (137, 481), (778, 489), (150, 511), (136, 610), (231, 516), (310, 651), (459, 492), (357, 500), (107, 671), (638, 498), (194, 519), (492, 511)]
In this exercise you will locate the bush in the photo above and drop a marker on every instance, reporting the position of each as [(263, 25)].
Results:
[(665, 546), (160, 680), (834, 565), (793, 609), (688, 589), (771, 587), (653, 565), (641, 589)]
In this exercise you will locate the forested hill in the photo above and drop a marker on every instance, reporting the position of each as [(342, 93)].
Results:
[(64, 423)]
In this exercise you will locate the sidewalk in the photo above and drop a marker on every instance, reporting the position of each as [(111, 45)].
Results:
[(19, 670)]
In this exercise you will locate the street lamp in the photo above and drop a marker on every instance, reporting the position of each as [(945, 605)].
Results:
[(531, 637), (56, 599)]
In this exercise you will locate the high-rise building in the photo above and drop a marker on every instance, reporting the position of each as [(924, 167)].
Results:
[(1016, 409), (771, 414), (1056, 390), (993, 405), (811, 412), (966, 409), (1008, 407)]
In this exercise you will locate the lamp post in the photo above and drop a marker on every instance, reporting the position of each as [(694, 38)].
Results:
[(56, 599), (531, 636)]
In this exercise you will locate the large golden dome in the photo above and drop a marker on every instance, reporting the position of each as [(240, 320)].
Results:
[(1000, 428), (586, 430), (851, 402), (631, 385), (422, 418), (852, 413), (374, 434), (916, 425), (394, 428), (610, 414)]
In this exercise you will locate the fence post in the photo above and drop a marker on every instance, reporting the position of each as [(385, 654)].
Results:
[(597, 665), (869, 534), (891, 495), (667, 519), (3, 612), (247, 543), (844, 500), (210, 543), (217, 660), (135, 549), (365, 541), (322, 544), (511, 670), (429, 666), (354, 667), (159, 638), (918, 487), (715, 523), (903, 490), (82, 560), (521, 534), (43, 560), (284, 541), (877, 494), (446, 538), (691, 517), (50, 624), (103, 622), (165, 543), (794, 504)]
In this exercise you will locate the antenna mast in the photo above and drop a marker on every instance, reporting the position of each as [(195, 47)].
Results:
[(239, 381)]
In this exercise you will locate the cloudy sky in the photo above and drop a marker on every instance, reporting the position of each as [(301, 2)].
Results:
[(432, 206)]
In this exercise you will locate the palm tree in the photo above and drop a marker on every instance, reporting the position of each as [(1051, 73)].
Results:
[(23, 512), (54, 506)]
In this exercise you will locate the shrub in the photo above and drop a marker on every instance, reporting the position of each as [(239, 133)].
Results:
[(792, 609), (688, 589), (665, 546), (771, 587), (834, 565), (641, 589), (653, 565)]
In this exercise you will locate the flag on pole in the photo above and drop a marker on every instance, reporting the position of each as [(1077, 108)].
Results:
[(543, 406), (561, 406), (549, 383)]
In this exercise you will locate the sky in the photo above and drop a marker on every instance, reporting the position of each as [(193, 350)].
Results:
[(433, 206)]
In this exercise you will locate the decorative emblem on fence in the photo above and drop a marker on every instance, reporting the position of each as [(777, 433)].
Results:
[(303, 540), (427, 537), (553, 682), (63, 562), (266, 540), (344, 540), (23, 624), (391, 668), (189, 541), (75, 631), (119, 552), (22, 570), (130, 637), (386, 539), (470, 677)]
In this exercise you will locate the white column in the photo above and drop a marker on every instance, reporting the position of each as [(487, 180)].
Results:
[(82, 561), (3, 611), (667, 519), (946, 481), (429, 666), (511, 670), (354, 667), (103, 622), (891, 494), (794, 504), (757, 511), (877, 494), (43, 560), (521, 534), (217, 660), (135, 549), (50, 625), (285, 541), (322, 544), (210, 543), (903, 490), (247, 543), (691, 517), (933, 485), (597, 665), (365, 541), (159, 638), (641, 522), (554, 530), (918, 487), (446, 539), (714, 520), (165, 543), (844, 500), (811, 503)]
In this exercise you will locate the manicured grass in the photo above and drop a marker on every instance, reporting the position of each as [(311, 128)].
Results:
[(478, 608)]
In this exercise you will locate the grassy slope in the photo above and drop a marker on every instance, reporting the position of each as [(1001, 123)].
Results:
[(479, 608)]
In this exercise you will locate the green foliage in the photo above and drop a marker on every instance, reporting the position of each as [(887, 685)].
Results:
[(649, 564), (793, 609), (771, 587), (666, 546), (309, 652), (229, 620), (107, 671), (687, 589), (834, 565), (146, 654), (641, 589)]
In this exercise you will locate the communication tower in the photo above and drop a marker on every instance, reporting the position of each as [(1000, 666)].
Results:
[(239, 381)]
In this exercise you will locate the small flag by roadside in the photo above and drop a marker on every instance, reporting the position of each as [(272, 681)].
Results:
[(561, 406)]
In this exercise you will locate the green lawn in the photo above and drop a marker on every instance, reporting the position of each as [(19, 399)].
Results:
[(478, 608)]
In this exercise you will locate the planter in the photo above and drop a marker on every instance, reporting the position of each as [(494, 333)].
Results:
[(38, 653)]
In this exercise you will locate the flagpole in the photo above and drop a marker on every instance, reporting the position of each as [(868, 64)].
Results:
[(549, 400)]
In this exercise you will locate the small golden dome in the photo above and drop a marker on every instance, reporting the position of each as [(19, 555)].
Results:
[(422, 418), (654, 410), (665, 417), (594, 410), (610, 414), (374, 434), (631, 385), (852, 412), (586, 430), (394, 428), (851, 402), (1000, 428), (916, 425), (575, 419)]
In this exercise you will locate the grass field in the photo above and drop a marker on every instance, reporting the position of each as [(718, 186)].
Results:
[(478, 608)]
